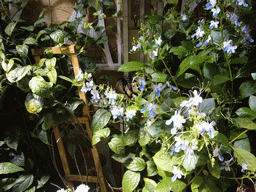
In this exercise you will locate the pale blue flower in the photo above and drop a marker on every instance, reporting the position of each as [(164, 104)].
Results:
[(158, 88), (129, 114), (184, 17), (95, 95), (117, 111), (199, 44), (135, 47), (177, 173), (217, 153), (231, 49), (111, 96), (142, 83), (241, 2), (209, 38), (226, 45), (214, 24), (233, 18), (80, 75), (177, 121), (171, 86), (155, 53), (199, 33), (210, 4), (158, 42), (244, 167), (226, 165), (152, 110), (215, 11)]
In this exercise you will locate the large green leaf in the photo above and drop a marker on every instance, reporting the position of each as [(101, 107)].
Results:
[(6, 183), (50, 63), (130, 138), (159, 77), (39, 86), (245, 157), (144, 137), (23, 183), (74, 104), (123, 158), (57, 36), (102, 133), (18, 160), (246, 112), (197, 181), (165, 161), (100, 120), (207, 106), (215, 170), (6, 168), (248, 124), (132, 66), (33, 104), (242, 142), (116, 144), (151, 168), (166, 185), (48, 121), (209, 185), (135, 164), (10, 27), (170, 33), (30, 41), (218, 79), (42, 181), (41, 21), (158, 127), (247, 89), (18, 73), (130, 180), (252, 102), (52, 75), (22, 50), (150, 185)]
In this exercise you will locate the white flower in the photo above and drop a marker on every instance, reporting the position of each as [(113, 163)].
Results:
[(205, 126), (80, 75), (177, 121), (135, 47), (199, 33), (231, 49), (142, 83), (82, 188), (112, 96), (214, 24), (217, 153), (207, 40), (244, 167), (226, 165), (130, 114), (155, 53), (158, 88), (177, 173), (152, 110), (61, 190), (210, 4), (158, 41), (241, 2), (197, 99), (215, 11), (184, 17), (117, 111), (95, 95)]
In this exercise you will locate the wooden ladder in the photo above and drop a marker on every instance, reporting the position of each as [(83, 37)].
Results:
[(71, 50)]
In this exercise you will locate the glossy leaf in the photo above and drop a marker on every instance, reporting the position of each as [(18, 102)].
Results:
[(30, 41), (151, 168), (247, 89), (39, 86), (130, 138), (243, 142), (102, 133), (22, 50), (170, 33), (57, 36), (100, 120), (159, 77), (207, 106), (144, 137), (50, 63), (248, 124), (218, 79), (116, 145), (130, 181), (246, 112), (52, 75), (18, 73), (150, 185), (10, 28), (23, 183), (165, 161), (215, 170), (132, 66), (6, 168), (48, 121), (243, 156), (42, 20), (252, 102), (33, 105), (123, 158), (73, 106), (135, 164), (166, 185)]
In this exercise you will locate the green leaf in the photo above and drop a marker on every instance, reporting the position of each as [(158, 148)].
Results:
[(130, 181), (247, 89), (166, 185), (248, 124), (40, 33), (240, 60), (22, 50), (102, 39), (33, 104), (165, 161), (123, 158), (218, 79), (65, 78), (100, 120), (73, 106), (41, 21), (144, 137), (23, 183), (253, 76), (223, 139), (10, 27), (39, 86), (41, 62), (252, 102), (18, 160), (243, 142), (209, 186), (7, 183), (246, 112), (30, 41), (215, 170), (102, 133), (12, 142), (48, 121), (243, 156), (197, 181), (33, 189), (18, 73), (130, 138), (116, 144), (6, 168), (159, 77), (150, 185), (136, 164), (42, 135), (158, 127), (50, 63), (151, 168), (170, 33), (57, 36), (207, 106), (132, 66), (52, 75)]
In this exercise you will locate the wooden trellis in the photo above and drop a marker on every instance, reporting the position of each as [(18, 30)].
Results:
[(70, 50)]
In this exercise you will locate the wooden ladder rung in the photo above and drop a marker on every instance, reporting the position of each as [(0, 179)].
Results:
[(89, 179)]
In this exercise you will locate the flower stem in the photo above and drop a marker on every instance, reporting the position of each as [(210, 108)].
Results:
[(238, 137)]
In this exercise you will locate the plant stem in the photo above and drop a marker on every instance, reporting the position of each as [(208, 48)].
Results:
[(238, 137)]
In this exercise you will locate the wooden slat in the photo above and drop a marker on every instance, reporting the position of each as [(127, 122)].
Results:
[(89, 179), (56, 50)]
